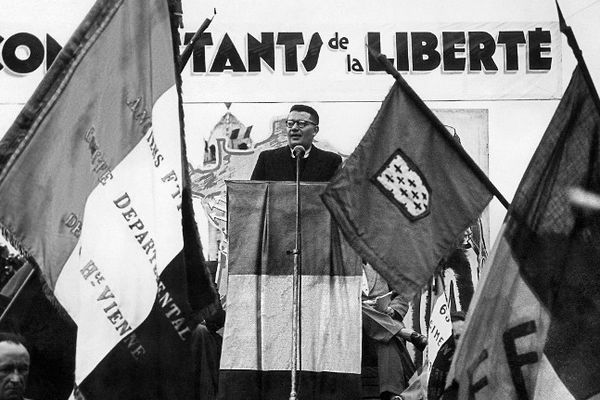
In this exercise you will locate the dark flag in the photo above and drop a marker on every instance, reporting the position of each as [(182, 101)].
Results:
[(93, 191), (534, 330), (407, 192)]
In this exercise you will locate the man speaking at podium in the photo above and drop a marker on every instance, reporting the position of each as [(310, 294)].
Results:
[(279, 164), (266, 353)]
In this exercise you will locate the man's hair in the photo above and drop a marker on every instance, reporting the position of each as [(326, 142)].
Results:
[(13, 338), (303, 108)]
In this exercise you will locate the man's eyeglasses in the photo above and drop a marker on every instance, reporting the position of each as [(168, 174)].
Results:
[(301, 123)]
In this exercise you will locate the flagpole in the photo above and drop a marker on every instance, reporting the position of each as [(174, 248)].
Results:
[(568, 32), (189, 226), (187, 52), (389, 68)]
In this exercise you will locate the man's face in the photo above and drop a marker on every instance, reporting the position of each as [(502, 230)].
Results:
[(14, 370), (301, 136)]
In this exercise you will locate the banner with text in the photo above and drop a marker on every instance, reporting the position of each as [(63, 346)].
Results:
[(456, 61), (243, 59)]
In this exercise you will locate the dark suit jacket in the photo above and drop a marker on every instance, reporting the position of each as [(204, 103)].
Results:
[(278, 165)]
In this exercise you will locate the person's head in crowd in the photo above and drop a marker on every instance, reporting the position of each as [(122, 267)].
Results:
[(302, 125), (458, 324), (14, 366)]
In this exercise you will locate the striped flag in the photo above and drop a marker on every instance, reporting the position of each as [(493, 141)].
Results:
[(91, 184), (257, 343), (534, 326)]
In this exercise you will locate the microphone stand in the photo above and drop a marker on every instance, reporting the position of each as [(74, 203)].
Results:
[(295, 279)]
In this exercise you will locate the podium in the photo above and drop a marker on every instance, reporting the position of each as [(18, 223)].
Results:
[(257, 341)]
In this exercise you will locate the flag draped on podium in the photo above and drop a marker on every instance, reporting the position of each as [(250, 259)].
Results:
[(91, 184), (257, 342), (534, 329), (406, 193)]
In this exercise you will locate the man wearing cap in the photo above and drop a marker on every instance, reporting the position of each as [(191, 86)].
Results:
[(279, 164)]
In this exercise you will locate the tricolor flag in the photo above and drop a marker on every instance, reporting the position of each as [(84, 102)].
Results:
[(533, 330), (257, 342), (407, 192), (91, 183)]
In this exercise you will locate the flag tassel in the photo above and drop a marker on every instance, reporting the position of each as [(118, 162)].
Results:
[(389, 68)]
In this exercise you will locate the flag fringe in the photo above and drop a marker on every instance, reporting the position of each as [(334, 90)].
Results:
[(49, 294), (13, 240)]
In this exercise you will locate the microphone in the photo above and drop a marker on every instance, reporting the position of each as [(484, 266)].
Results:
[(298, 151)]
